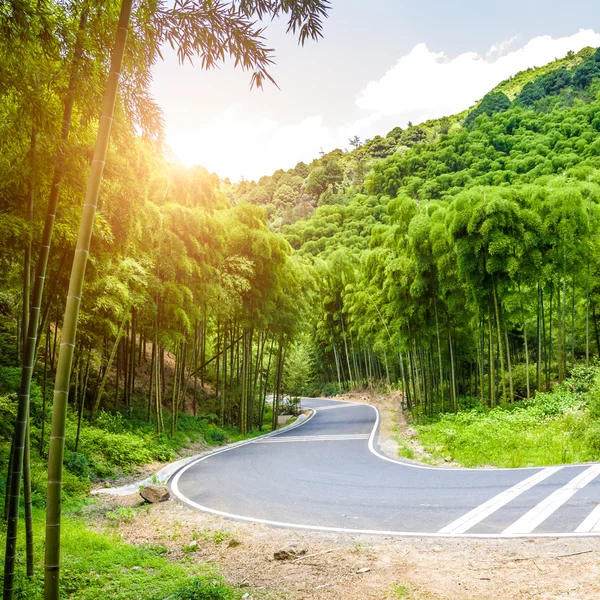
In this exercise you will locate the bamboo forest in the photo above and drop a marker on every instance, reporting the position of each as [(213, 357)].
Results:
[(147, 307)]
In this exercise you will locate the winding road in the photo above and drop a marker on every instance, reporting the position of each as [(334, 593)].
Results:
[(327, 474)]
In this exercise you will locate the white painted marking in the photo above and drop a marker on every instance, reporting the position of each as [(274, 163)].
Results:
[(314, 438), (591, 522), (175, 487), (484, 510), (539, 513), (337, 407)]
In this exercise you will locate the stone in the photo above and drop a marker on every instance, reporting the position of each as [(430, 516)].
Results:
[(410, 432), (155, 493), (363, 570), (234, 543), (289, 552)]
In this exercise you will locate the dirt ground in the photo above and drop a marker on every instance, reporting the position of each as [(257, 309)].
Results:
[(360, 567)]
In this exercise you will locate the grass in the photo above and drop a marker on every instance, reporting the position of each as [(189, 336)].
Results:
[(557, 427), (404, 450), (100, 564)]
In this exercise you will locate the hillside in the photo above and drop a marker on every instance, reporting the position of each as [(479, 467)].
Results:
[(293, 195), (465, 266)]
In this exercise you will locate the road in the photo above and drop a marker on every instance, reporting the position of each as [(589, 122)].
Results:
[(327, 474)]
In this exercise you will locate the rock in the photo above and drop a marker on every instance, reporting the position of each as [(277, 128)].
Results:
[(283, 419), (411, 432), (155, 493), (363, 570), (289, 552), (234, 543), (448, 459), (246, 596)]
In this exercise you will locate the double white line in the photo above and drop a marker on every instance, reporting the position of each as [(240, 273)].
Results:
[(313, 438)]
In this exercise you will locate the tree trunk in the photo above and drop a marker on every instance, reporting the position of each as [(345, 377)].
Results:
[(491, 360), (151, 384), (46, 352), (439, 348), (59, 409), (500, 349), (452, 372), (115, 347)]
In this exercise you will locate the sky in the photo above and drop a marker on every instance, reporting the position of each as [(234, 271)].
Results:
[(380, 64)]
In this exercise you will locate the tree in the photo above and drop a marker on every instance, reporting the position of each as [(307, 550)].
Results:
[(355, 142), (185, 22)]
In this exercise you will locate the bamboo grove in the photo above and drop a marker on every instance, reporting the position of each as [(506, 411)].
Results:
[(465, 268), (175, 294)]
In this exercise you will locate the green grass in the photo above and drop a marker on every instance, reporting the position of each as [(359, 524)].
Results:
[(404, 450), (101, 565), (557, 427)]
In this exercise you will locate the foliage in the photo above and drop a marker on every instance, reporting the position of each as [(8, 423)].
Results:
[(555, 427), (102, 564), (203, 589)]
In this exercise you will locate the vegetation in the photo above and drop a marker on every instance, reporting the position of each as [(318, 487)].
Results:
[(456, 259), (173, 268), (99, 563), (466, 266), (555, 427)]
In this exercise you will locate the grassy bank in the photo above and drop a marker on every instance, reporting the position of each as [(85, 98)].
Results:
[(561, 426), (99, 564), (96, 562)]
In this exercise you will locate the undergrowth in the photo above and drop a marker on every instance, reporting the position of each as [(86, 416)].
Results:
[(101, 565), (556, 427)]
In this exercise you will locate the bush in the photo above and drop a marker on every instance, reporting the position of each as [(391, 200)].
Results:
[(201, 589), (79, 465), (112, 422), (115, 449), (214, 434)]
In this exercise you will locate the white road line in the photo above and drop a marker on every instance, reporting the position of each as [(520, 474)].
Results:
[(484, 510), (539, 513), (314, 438), (591, 522), (174, 484), (340, 406)]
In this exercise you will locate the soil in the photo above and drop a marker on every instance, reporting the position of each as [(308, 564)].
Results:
[(361, 567), (394, 428)]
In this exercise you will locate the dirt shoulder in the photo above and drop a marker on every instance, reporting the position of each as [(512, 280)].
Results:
[(359, 567), (396, 439)]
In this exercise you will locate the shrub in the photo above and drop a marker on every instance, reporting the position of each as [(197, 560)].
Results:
[(201, 589), (214, 434), (115, 449), (112, 422)]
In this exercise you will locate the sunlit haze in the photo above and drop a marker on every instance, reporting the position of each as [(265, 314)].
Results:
[(380, 64)]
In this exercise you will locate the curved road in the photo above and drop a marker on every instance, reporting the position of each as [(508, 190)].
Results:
[(327, 474)]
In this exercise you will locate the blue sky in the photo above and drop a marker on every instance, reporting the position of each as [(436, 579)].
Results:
[(380, 64)]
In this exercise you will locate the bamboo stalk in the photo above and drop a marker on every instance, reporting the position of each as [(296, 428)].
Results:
[(65, 358)]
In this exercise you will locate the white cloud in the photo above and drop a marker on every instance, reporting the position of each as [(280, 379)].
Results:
[(431, 85), (237, 142)]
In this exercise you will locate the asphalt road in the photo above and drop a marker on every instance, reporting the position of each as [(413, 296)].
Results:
[(327, 474)]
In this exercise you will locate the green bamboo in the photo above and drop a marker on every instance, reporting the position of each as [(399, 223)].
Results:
[(67, 345), (28, 506), (111, 358), (32, 328), (26, 294), (19, 465)]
